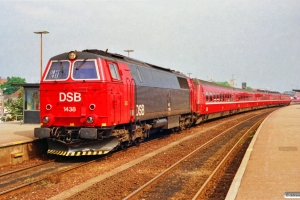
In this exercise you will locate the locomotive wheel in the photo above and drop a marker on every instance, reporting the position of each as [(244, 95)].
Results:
[(176, 130), (137, 142), (124, 146)]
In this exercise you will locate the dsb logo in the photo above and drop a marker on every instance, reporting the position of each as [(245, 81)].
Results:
[(69, 97)]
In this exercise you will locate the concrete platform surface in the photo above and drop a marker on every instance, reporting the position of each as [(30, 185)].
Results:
[(271, 166), (16, 133)]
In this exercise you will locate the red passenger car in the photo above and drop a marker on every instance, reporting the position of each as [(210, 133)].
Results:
[(213, 100)]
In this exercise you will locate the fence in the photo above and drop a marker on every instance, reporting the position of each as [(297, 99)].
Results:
[(11, 118)]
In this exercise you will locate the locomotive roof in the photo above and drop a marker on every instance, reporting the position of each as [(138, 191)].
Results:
[(95, 53)]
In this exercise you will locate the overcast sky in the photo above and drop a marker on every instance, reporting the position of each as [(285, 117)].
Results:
[(253, 41)]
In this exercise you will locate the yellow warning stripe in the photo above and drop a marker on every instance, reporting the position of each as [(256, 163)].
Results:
[(77, 153)]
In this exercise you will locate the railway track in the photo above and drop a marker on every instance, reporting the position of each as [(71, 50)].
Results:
[(18, 180), (25, 168), (48, 172), (217, 184), (182, 178)]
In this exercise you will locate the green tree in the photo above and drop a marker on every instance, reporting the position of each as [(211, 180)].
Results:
[(8, 88), (225, 83), (15, 106), (249, 88)]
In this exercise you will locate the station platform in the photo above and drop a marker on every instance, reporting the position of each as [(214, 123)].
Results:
[(15, 133), (270, 168), (17, 143)]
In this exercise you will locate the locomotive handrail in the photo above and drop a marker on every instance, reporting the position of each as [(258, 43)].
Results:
[(133, 108)]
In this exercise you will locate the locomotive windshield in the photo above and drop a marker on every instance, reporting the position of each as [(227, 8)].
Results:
[(58, 70), (84, 70)]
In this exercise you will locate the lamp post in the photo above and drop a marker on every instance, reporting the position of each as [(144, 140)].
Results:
[(41, 33), (1, 104), (128, 51), (232, 81)]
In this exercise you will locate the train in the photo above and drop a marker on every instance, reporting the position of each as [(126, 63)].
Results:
[(296, 98), (93, 102)]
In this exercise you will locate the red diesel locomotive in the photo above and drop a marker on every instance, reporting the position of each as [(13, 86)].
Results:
[(93, 102)]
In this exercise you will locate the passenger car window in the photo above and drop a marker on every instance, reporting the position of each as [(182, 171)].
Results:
[(58, 70), (84, 70), (207, 96), (114, 72)]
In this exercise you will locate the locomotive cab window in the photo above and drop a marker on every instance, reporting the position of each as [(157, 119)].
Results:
[(85, 70), (114, 71), (58, 70)]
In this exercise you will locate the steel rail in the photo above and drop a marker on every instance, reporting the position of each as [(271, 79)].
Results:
[(25, 168)]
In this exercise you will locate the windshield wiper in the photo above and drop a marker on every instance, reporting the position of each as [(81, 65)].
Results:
[(61, 68), (78, 67)]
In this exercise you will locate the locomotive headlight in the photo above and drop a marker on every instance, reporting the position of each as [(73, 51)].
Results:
[(72, 55), (46, 120), (92, 107), (48, 107), (90, 120)]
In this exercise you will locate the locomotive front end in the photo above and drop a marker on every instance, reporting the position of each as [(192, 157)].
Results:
[(74, 106)]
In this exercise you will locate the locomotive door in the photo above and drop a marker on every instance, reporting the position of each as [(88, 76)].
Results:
[(116, 91), (131, 98)]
